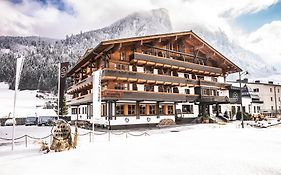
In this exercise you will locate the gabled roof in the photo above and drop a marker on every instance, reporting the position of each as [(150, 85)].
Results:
[(103, 46)]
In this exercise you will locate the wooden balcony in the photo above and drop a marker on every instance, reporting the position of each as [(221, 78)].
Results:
[(141, 78), (85, 99), (84, 84), (146, 96), (184, 66), (214, 99), (134, 96), (149, 78)]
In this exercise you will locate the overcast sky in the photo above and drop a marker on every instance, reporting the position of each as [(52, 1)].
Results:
[(254, 24)]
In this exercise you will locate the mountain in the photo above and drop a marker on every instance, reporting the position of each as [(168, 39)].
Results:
[(43, 54), (246, 60)]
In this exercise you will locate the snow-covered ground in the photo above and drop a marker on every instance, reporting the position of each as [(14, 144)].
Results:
[(191, 149), (25, 105)]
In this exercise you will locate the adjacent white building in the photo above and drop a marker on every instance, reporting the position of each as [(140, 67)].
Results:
[(261, 97)]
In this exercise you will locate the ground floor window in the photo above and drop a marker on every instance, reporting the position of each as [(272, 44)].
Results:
[(73, 110), (131, 109), (119, 109), (170, 109), (152, 109), (142, 109), (103, 110), (188, 109), (161, 109)]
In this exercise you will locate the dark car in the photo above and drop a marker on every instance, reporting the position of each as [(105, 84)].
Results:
[(31, 121), (47, 120)]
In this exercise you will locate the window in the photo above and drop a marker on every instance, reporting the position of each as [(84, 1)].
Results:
[(142, 109), (214, 79), (271, 107), (271, 98), (256, 90), (160, 88), (131, 109), (175, 73), (135, 87), (120, 66), (134, 68), (188, 109), (148, 88), (186, 75), (193, 77), (170, 109), (167, 72), (278, 90), (120, 86), (152, 109), (258, 109), (187, 91), (270, 89), (148, 69), (200, 77), (254, 109), (74, 111), (103, 110), (119, 109), (279, 99), (161, 109), (167, 89), (122, 56)]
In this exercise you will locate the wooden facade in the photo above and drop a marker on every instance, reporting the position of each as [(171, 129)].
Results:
[(147, 76)]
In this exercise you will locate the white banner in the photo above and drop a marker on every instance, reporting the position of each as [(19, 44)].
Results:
[(18, 71), (97, 95)]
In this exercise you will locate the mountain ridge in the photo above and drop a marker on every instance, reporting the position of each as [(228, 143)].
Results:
[(42, 54)]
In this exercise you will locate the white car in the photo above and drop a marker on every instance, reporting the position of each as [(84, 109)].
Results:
[(9, 122)]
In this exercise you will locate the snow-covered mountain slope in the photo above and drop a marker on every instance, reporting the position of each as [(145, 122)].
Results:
[(43, 54), (247, 60)]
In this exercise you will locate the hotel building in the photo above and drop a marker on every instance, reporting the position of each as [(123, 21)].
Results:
[(149, 78)]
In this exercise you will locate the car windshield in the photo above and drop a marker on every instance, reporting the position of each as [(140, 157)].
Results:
[(31, 119)]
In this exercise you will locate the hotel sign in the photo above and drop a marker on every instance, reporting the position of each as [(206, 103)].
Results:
[(97, 95)]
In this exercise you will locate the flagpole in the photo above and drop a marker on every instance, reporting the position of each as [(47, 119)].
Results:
[(19, 65), (14, 123)]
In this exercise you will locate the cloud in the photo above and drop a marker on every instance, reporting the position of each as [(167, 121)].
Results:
[(31, 17), (266, 42), (57, 18)]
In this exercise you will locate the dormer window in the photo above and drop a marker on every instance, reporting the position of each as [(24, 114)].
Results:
[(122, 56)]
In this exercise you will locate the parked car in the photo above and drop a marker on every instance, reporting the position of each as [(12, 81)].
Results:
[(47, 120), (31, 121), (9, 122)]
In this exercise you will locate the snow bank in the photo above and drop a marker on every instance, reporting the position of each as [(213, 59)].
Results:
[(196, 149), (26, 102)]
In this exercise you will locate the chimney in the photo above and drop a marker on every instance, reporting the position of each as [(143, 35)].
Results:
[(257, 81), (270, 82)]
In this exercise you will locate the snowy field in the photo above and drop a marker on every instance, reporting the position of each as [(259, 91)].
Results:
[(26, 102), (192, 149)]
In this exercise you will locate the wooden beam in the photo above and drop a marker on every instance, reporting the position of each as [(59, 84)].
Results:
[(199, 47)]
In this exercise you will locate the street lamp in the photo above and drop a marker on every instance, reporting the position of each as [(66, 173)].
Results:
[(242, 112)]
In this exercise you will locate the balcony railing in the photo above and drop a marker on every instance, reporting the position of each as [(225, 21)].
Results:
[(149, 96), (80, 85), (214, 99), (184, 66), (85, 99)]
